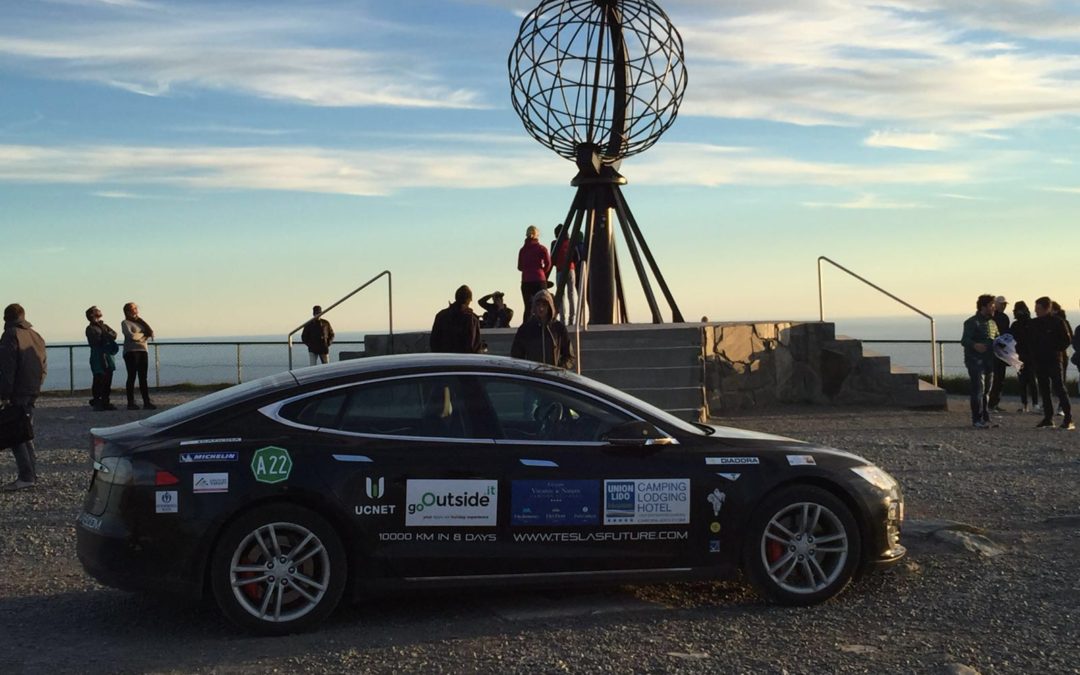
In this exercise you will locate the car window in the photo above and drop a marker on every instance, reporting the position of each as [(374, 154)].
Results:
[(527, 410), (432, 407), (315, 411)]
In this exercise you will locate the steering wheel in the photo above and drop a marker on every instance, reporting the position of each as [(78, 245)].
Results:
[(551, 415)]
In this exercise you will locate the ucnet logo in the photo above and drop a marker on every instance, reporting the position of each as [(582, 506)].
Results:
[(449, 498), (374, 489)]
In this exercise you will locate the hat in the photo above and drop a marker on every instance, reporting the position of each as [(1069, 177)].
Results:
[(1000, 300)]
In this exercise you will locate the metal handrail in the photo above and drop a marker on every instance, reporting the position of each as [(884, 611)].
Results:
[(933, 326), (390, 297)]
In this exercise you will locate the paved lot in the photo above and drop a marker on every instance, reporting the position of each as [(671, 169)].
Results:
[(1008, 602)]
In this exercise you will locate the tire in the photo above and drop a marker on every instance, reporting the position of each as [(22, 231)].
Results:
[(258, 585), (803, 546)]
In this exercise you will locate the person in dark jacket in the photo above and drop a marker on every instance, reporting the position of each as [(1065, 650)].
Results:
[(543, 338), (564, 260), (102, 341), (1050, 338), (1002, 321), (534, 263), (1057, 310), (980, 331), (23, 366), (1020, 330), (496, 313), (317, 336), (456, 329)]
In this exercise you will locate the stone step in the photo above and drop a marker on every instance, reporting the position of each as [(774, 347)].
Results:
[(925, 397), (637, 376)]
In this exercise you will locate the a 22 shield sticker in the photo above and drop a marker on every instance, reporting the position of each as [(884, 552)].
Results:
[(271, 464)]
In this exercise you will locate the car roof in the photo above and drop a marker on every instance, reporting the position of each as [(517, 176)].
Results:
[(420, 362)]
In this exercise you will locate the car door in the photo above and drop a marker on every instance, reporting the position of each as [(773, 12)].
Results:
[(400, 458), (578, 502)]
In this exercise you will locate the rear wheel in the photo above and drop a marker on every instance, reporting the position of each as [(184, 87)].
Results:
[(279, 569), (803, 546)]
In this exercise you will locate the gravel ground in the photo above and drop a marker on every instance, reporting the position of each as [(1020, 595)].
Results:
[(1008, 602)]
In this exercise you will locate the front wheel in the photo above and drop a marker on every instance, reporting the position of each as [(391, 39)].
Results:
[(803, 546), (278, 569)]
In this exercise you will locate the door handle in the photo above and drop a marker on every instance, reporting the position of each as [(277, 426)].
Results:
[(545, 463)]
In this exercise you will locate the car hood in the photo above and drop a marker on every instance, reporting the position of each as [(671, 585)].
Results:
[(762, 441)]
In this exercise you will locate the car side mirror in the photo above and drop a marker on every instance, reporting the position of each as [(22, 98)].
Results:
[(635, 433)]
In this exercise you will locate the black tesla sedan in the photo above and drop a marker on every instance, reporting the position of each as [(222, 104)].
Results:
[(281, 495)]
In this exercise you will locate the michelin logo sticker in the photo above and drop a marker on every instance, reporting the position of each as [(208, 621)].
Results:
[(448, 503), (195, 457), (646, 501)]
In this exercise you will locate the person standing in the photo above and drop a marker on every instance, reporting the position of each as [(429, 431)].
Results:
[(534, 263), (496, 313), (1050, 339), (1057, 310), (980, 331), (1002, 321), (562, 257), (136, 358), (102, 341), (23, 366), (1021, 332), (543, 338), (317, 336), (456, 329)]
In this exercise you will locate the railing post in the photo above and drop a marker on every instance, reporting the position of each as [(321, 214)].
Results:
[(71, 368), (239, 377), (820, 293), (290, 351), (157, 367), (390, 303), (933, 351), (941, 360)]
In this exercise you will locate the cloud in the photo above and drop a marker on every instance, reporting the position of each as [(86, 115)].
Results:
[(1066, 190), (383, 172), (908, 140), (865, 202), (294, 56)]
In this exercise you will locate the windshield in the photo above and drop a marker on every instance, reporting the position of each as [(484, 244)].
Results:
[(218, 400), (665, 418)]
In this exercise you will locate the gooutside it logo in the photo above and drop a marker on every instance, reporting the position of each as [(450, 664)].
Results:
[(271, 464), (374, 489)]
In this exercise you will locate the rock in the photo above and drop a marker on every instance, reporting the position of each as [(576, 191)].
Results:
[(859, 649), (976, 543), (959, 669), (690, 656)]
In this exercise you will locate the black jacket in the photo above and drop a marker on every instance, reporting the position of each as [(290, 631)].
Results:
[(493, 316), (1021, 332), (318, 336), (22, 361), (1049, 340), (456, 329)]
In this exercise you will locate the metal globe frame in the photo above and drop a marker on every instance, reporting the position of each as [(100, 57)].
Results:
[(597, 81)]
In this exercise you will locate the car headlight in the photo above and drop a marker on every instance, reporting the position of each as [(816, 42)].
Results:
[(876, 477)]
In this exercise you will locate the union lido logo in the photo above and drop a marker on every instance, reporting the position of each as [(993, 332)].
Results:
[(271, 464)]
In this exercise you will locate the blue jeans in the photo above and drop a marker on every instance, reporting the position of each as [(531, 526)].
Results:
[(24, 452), (982, 377), (569, 292)]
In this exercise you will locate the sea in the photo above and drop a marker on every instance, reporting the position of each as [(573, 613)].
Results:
[(233, 359)]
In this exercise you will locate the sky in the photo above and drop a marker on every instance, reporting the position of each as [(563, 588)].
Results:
[(228, 164)]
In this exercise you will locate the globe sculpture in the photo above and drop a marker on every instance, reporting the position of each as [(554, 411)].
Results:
[(598, 81)]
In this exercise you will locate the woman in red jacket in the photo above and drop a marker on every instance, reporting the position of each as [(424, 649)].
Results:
[(534, 262)]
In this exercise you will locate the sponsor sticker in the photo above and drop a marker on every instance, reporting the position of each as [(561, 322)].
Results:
[(437, 537), (647, 501), (198, 457), (801, 460), (547, 537), (555, 502), (714, 546), (166, 501), (210, 482), (271, 464), (716, 500), (448, 503), (714, 527), (730, 476), (731, 461), (208, 441), (375, 488), (89, 522)]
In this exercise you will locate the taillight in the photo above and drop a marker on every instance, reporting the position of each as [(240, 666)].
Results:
[(97, 448)]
